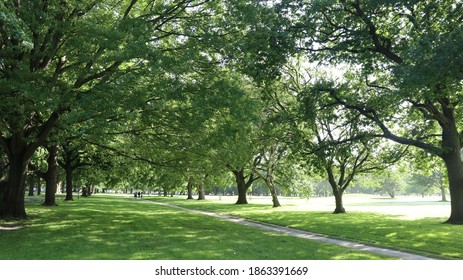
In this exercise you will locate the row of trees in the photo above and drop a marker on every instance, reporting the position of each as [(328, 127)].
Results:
[(140, 92)]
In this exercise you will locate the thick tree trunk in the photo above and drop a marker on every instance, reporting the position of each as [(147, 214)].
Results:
[(19, 154), (51, 176), (242, 187), (190, 188), (201, 193), (12, 206), (69, 187), (339, 204), (455, 175), (454, 164), (13, 198), (242, 199)]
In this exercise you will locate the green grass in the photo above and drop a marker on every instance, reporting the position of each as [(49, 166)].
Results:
[(107, 227), (427, 236)]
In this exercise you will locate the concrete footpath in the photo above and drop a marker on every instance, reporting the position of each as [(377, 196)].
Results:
[(304, 234)]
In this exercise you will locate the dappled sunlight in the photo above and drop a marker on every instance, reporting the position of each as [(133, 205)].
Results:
[(116, 228), (405, 223)]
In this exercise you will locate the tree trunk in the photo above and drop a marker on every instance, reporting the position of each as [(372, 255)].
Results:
[(19, 154), (30, 178), (201, 193), (273, 192), (455, 175), (454, 164), (69, 170), (242, 187), (39, 188), (51, 176), (339, 204), (190, 188), (13, 198), (3, 187), (12, 206), (442, 191), (391, 193), (86, 192)]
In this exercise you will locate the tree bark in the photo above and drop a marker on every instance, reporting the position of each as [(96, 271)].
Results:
[(242, 187), (453, 162), (442, 191), (39, 188), (51, 176), (30, 178), (190, 188), (455, 175), (19, 154), (273, 191), (201, 193), (12, 206), (338, 199), (338, 189), (69, 187)]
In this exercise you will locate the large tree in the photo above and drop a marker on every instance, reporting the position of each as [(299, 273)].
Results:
[(407, 58), (60, 56), (337, 143)]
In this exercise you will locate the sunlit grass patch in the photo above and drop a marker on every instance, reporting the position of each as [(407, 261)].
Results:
[(427, 236), (105, 227)]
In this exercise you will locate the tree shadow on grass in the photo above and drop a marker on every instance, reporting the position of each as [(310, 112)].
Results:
[(103, 228)]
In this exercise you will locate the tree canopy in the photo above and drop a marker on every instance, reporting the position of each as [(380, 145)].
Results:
[(213, 91), (405, 59)]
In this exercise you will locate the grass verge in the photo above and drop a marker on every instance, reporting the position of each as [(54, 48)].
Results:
[(426, 236), (110, 228)]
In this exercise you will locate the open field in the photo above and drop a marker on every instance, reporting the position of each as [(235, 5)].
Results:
[(112, 227), (407, 224), (407, 207)]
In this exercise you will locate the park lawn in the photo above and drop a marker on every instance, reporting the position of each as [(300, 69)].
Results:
[(427, 236), (110, 227)]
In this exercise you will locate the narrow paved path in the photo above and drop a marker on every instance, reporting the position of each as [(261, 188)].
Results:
[(305, 234)]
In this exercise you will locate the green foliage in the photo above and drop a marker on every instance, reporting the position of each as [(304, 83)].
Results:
[(404, 80), (142, 83), (390, 181), (420, 184), (265, 41)]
